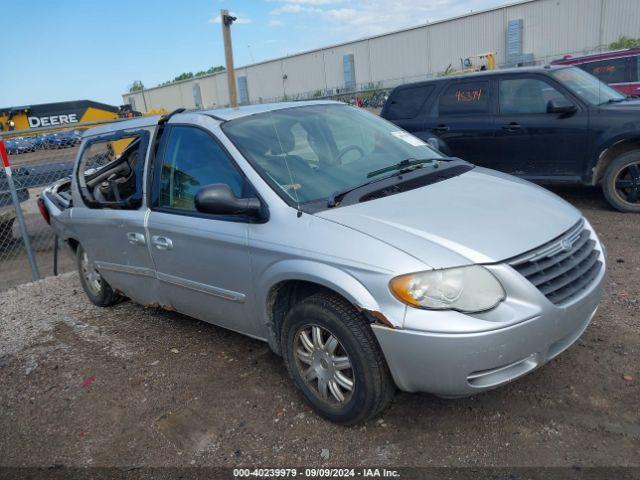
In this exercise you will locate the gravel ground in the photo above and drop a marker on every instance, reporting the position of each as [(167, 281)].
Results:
[(129, 385)]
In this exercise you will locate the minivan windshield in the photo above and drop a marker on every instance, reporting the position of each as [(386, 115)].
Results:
[(586, 86), (309, 153)]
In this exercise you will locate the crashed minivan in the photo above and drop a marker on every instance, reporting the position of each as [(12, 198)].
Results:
[(364, 257)]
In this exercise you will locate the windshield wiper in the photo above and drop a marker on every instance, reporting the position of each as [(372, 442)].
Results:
[(407, 164), (404, 166), (614, 100), (336, 196)]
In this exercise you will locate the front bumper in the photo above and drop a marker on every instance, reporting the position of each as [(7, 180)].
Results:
[(525, 332)]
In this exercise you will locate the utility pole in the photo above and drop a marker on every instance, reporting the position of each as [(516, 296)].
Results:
[(226, 21)]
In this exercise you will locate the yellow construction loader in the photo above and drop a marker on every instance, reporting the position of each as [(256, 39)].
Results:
[(474, 63)]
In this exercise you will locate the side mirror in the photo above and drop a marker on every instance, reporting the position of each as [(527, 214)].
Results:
[(218, 199), (562, 106)]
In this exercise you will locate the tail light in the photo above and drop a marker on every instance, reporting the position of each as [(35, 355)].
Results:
[(43, 211)]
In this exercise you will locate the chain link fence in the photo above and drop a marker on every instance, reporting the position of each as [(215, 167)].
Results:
[(37, 159)]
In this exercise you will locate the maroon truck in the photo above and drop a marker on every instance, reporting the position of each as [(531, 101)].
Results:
[(620, 68)]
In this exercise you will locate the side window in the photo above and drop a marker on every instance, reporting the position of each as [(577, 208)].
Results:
[(110, 170), (635, 69), (613, 70), (466, 97), (526, 95), (191, 160), (407, 102)]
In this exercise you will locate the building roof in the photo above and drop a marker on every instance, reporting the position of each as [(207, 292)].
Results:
[(62, 107)]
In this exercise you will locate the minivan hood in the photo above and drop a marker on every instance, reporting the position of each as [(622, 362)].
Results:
[(481, 216)]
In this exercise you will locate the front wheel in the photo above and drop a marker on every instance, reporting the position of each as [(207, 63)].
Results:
[(97, 289), (334, 359), (621, 183)]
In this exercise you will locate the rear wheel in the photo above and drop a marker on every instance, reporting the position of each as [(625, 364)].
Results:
[(621, 183), (97, 289), (334, 359)]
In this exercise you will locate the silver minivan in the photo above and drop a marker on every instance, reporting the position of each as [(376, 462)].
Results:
[(363, 256)]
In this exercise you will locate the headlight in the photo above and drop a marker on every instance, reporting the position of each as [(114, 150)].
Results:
[(466, 289)]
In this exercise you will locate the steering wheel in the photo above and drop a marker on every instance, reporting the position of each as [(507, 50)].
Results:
[(346, 150)]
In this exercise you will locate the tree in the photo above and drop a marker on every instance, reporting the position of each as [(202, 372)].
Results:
[(183, 76), (188, 75), (136, 86), (211, 70), (625, 42)]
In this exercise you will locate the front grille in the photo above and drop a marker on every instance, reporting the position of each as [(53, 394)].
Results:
[(562, 268)]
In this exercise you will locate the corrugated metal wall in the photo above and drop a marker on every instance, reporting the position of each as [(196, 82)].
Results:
[(551, 28)]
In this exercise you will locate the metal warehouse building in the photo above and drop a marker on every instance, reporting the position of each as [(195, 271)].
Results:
[(528, 31)]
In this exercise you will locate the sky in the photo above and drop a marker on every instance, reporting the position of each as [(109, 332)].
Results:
[(94, 49)]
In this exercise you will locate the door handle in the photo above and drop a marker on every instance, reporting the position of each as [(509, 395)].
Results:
[(441, 129), (135, 238), (162, 243), (512, 127)]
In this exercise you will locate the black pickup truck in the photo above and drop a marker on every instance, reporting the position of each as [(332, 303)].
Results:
[(547, 124)]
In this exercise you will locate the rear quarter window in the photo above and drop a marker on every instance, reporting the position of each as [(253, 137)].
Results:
[(407, 102), (465, 98)]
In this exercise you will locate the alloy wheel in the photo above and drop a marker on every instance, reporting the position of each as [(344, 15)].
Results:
[(627, 183), (91, 276), (324, 364)]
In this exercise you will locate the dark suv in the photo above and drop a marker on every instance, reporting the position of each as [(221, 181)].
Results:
[(546, 124)]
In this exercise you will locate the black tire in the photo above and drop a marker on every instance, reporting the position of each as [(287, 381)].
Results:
[(372, 385), (100, 293), (623, 171)]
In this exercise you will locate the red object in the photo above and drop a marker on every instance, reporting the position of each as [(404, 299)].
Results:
[(3, 154), (43, 211), (627, 64), (88, 381)]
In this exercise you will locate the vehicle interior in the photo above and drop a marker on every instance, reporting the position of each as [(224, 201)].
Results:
[(110, 177)]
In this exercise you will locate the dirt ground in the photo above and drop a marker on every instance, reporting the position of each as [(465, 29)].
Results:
[(133, 386)]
